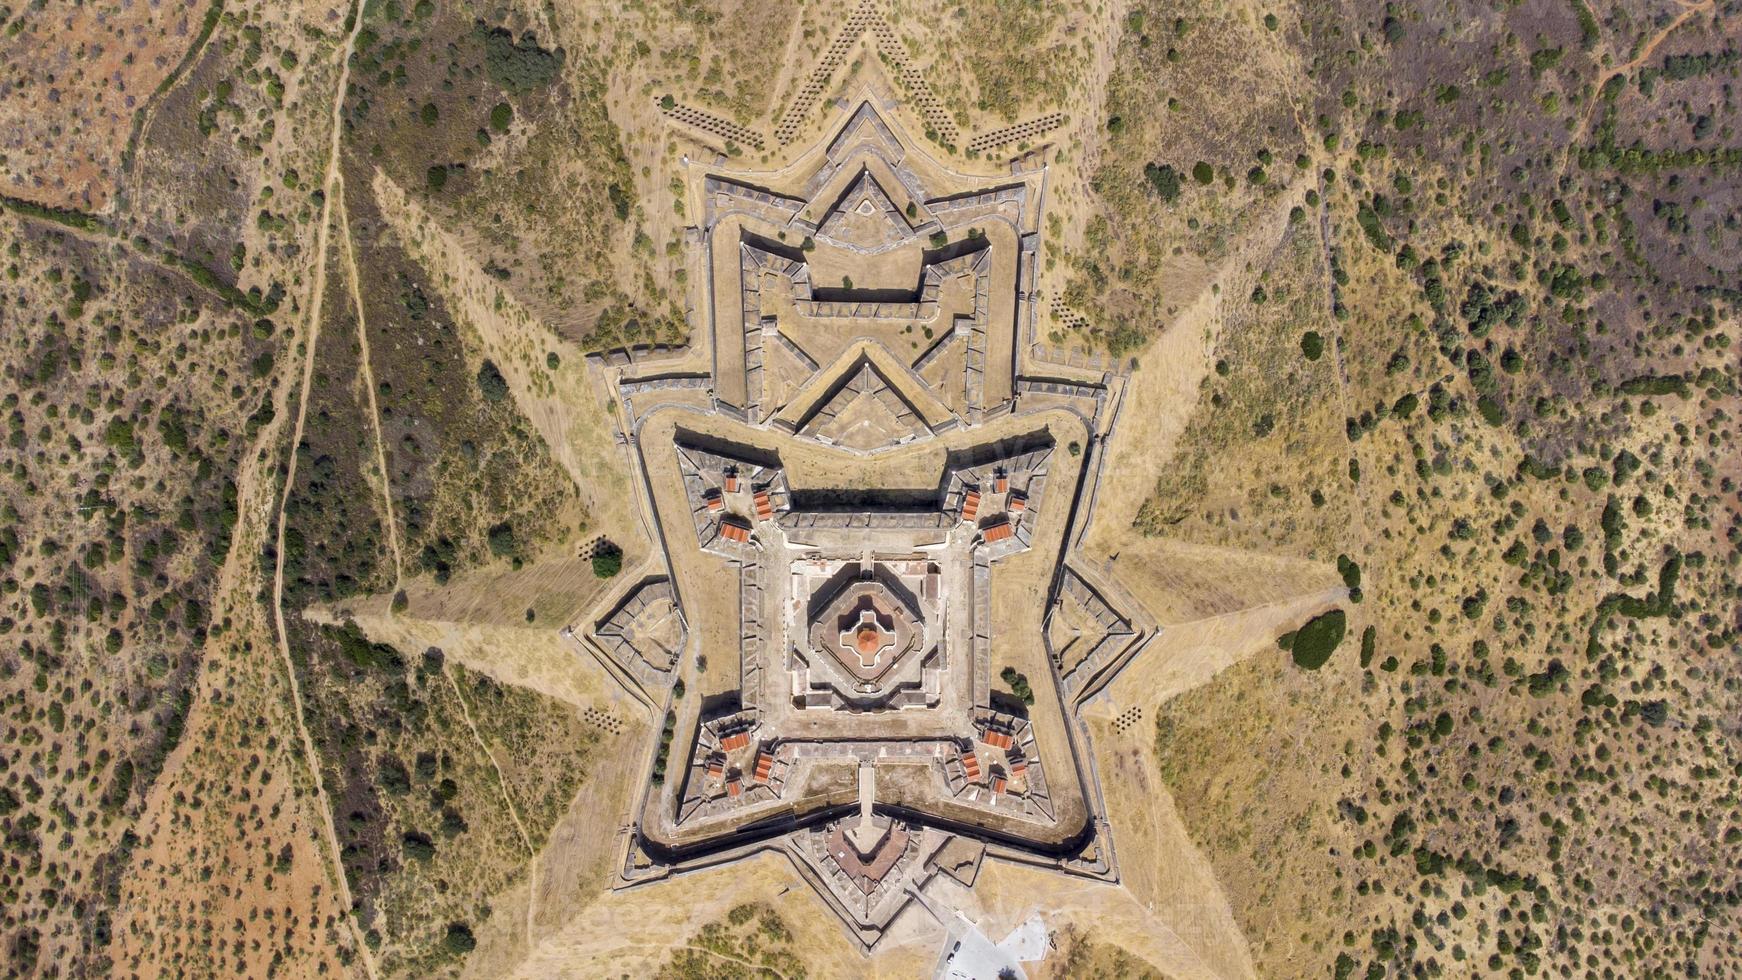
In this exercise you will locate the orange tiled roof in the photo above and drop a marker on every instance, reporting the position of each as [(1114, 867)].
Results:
[(734, 530), (971, 764), (970, 504), (764, 507), (997, 739), (735, 741), (999, 531)]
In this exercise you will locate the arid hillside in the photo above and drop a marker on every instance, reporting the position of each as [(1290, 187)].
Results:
[(1426, 469)]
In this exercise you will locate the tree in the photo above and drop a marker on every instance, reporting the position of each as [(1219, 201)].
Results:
[(418, 846), (1317, 640), (459, 938), (1312, 345), (393, 776), (607, 560), (1164, 179), (1019, 685), (491, 383), (502, 540), (1202, 172)]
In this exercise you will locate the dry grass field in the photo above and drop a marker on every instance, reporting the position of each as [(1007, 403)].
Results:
[(1424, 319)]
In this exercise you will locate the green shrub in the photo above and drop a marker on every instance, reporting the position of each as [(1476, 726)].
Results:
[(1491, 411), (1312, 345), (356, 648), (501, 116), (607, 560), (418, 846), (459, 939), (491, 383), (1368, 219), (392, 775), (1019, 685), (619, 201), (1350, 571), (1317, 640), (501, 540), (1164, 179), (518, 66)]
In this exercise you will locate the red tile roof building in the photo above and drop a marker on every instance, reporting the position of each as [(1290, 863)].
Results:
[(971, 765), (970, 504), (764, 765), (764, 507), (999, 531), (735, 741), (734, 529)]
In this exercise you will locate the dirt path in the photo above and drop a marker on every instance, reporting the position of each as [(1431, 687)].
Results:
[(143, 118), (366, 368), (367, 372), (501, 781), (781, 89), (1335, 340), (1689, 10), (331, 183), (754, 967), (562, 404), (507, 801)]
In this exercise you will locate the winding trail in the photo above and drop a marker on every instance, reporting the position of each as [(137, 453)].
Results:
[(466, 713), (367, 369), (1689, 11), (331, 181), (1333, 297), (367, 372), (507, 800)]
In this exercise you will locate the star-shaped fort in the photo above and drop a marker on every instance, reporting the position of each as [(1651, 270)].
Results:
[(860, 500)]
